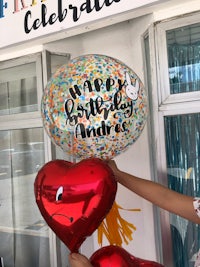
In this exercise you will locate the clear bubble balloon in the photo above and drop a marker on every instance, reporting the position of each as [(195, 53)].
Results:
[(94, 106)]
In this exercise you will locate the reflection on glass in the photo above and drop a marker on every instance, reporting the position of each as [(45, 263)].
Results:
[(23, 232), (183, 45), (183, 166), (57, 60), (21, 152), (18, 93)]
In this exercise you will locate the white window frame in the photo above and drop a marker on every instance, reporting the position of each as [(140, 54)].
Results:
[(29, 119), (163, 104), (164, 96), (34, 119)]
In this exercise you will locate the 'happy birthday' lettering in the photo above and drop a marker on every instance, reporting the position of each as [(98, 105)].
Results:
[(97, 86), (98, 107)]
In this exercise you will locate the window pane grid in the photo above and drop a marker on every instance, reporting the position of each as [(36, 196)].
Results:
[(23, 231), (18, 89), (183, 47)]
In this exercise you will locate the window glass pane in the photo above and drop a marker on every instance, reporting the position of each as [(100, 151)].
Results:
[(183, 45), (18, 93), (23, 232), (183, 166), (57, 61)]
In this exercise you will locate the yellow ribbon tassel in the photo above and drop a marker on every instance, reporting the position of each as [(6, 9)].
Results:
[(115, 228)]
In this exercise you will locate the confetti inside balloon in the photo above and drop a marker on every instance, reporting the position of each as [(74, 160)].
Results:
[(94, 106)]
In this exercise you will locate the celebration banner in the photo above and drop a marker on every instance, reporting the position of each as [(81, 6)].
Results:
[(22, 20)]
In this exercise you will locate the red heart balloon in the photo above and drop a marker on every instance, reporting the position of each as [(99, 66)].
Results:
[(75, 198), (118, 257)]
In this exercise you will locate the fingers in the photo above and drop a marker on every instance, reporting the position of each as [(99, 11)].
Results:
[(78, 260), (112, 164)]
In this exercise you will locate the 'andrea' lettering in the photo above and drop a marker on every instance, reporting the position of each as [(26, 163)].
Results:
[(103, 130)]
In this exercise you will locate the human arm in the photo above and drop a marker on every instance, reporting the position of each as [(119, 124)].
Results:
[(157, 194)]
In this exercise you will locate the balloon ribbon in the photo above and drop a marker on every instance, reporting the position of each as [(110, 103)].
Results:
[(115, 228)]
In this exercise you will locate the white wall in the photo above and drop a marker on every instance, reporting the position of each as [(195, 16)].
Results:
[(123, 41), (166, 9)]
